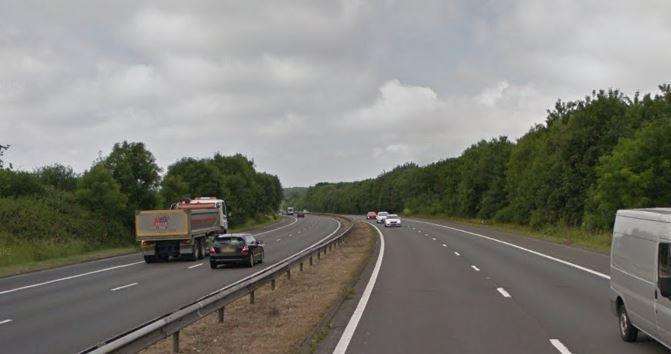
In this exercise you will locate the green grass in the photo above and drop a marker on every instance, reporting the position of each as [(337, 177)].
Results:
[(17, 258), (260, 221), (573, 236)]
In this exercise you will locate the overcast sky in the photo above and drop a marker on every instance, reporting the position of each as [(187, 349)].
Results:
[(311, 91)]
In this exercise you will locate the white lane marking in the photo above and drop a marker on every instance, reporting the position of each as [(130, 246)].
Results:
[(291, 235), (433, 238), (123, 287), (457, 254), (279, 228), (5, 321), (444, 245), (278, 240), (68, 278), (503, 292), (348, 333), (475, 268), (599, 274), (561, 347), (195, 265)]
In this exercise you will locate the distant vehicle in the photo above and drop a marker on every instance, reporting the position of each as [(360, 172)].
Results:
[(182, 231), (392, 220), (236, 249), (381, 216), (290, 211), (371, 215), (300, 214), (640, 270)]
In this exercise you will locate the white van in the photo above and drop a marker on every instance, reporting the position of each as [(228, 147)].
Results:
[(640, 270)]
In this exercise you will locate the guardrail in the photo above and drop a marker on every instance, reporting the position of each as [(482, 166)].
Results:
[(171, 324)]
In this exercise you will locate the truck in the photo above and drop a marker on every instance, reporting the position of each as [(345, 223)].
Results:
[(290, 210), (183, 231)]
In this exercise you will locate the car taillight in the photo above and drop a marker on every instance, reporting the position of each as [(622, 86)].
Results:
[(244, 251), (213, 250)]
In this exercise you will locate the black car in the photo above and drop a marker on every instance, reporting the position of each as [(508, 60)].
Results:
[(237, 249)]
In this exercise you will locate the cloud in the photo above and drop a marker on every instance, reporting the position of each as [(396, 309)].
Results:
[(312, 91)]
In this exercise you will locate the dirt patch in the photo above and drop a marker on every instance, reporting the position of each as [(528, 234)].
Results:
[(279, 321)]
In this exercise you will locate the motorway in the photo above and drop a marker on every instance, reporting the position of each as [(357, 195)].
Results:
[(68, 309), (442, 287)]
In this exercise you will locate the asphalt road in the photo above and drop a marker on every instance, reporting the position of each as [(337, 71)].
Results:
[(441, 290), (69, 309)]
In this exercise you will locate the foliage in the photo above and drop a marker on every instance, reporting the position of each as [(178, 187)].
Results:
[(135, 170), (591, 157), (247, 192), (3, 148)]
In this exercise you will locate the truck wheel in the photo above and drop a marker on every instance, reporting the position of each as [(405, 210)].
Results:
[(213, 265), (149, 259), (627, 330), (251, 260)]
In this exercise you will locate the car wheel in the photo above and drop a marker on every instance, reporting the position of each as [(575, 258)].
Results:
[(627, 330), (213, 265), (251, 260), (149, 259)]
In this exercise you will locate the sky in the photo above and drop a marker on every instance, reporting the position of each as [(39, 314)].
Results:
[(312, 91)]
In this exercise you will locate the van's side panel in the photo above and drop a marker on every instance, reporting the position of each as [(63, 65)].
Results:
[(633, 268)]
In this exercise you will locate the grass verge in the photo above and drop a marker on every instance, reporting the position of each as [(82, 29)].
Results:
[(23, 258), (571, 236), (257, 222), (280, 321)]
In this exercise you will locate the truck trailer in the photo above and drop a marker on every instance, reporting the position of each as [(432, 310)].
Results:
[(183, 231)]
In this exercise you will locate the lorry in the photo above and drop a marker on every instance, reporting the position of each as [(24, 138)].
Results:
[(183, 231)]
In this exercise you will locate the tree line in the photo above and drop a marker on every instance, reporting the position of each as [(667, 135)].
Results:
[(57, 205), (591, 157)]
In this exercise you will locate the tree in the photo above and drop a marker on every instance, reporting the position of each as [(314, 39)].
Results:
[(137, 173), (58, 176), (637, 174), (99, 192), (3, 148)]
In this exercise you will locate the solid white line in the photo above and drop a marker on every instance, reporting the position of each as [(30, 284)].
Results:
[(68, 278), (348, 333), (475, 268), (279, 228), (594, 272), (457, 254), (196, 265), (5, 321), (503, 292), (123, 287), (561, 347)]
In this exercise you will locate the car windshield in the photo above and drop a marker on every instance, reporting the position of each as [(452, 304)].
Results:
[(392, 216), (383, 213)]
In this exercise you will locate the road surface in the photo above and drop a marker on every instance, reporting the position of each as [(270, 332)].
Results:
[(69, 309), (456, 289)]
